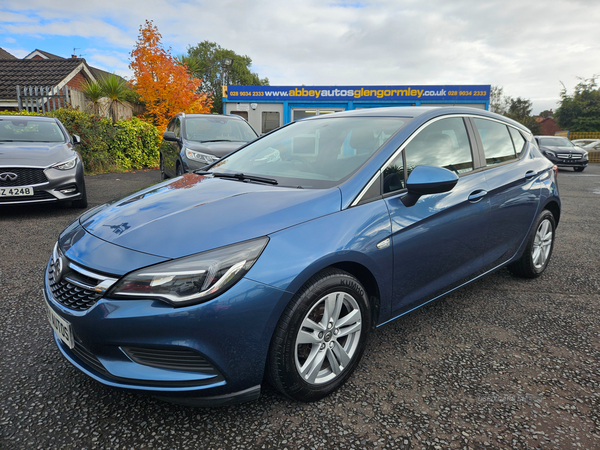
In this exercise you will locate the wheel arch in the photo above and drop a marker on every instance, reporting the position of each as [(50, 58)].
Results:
[(362, 273), (553, 207), (368, 280)]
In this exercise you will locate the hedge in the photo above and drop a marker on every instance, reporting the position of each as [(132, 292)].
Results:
[(127, 145)]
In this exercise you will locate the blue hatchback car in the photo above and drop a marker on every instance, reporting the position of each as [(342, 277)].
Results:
[(275, 262)]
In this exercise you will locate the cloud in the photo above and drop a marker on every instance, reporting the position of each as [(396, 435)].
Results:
[(525, 47)]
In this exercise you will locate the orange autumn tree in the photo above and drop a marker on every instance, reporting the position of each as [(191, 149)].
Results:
[(165, 86)]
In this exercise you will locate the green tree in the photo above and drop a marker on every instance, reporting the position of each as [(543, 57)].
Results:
[(581, 110), (499, 102), (520, 110), (205, 62)]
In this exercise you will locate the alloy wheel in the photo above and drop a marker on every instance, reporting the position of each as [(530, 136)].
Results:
[(328, 338), (542, 244)]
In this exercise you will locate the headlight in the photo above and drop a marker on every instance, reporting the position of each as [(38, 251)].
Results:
[(192, 279), (66, 165), (200, 157), (549, 153)]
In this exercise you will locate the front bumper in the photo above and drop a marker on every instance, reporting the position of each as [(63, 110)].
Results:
[(223, 343), (49, 185)]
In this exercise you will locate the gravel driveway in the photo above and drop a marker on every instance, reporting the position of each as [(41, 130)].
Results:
[(502, 363)]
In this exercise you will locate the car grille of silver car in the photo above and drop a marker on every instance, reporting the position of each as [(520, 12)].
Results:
[(74, 287), (25, 176)]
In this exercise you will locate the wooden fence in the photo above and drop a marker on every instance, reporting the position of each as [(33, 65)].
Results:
[(40, 99)]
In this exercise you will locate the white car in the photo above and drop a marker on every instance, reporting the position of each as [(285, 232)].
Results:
[(584, 142)]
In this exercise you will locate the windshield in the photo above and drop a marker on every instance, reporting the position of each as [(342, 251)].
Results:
[(29, 130), (556, 142), (318, 153), (212, 129)]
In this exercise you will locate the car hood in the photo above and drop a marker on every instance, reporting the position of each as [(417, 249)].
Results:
[(218, 148), (193, 213), (40, 154)]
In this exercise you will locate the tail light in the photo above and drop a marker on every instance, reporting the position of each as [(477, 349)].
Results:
[(555, 168)]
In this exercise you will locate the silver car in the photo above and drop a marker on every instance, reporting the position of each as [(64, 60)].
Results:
[(38, 162)]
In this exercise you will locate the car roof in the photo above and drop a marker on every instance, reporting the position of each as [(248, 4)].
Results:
[(222, 116), (421, 112), (23, 116)]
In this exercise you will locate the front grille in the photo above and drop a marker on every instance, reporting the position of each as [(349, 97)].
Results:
[(72, 286), (69, 294), (37, 196), (171, 358), (568, 156), (25, 176)]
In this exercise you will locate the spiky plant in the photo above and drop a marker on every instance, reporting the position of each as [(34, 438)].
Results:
[(93, 91), (114, 88)]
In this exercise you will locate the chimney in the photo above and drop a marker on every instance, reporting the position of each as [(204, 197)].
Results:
[(74, 56)]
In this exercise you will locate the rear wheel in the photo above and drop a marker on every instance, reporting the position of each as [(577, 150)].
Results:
[(539, 248), (320, 337)]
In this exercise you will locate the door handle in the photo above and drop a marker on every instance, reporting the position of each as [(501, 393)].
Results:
[(530, 174), (475, 196)]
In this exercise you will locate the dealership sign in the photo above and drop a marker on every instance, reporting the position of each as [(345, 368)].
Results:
[(358, 93)]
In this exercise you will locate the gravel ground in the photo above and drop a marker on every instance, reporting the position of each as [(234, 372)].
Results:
[(502, 363)]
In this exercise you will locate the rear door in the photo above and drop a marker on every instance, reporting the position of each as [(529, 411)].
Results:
[(513, 190)]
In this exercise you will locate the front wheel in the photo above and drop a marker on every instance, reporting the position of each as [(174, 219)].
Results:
[(539, 248), (320, 337)]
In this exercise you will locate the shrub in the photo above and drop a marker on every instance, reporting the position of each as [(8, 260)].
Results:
[(129, 144), (97, 136), (136, 144)]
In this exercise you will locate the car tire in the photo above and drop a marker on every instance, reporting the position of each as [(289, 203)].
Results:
[(540, 243), (178, 170), (82, 202), (332, 316), (163, 175), (579, 169)]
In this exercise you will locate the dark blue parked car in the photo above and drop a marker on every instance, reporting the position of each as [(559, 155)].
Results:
[(277, 261)]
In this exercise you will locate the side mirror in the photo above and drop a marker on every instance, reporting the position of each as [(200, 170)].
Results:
[(169, 136), (426, 180), (76, 139)]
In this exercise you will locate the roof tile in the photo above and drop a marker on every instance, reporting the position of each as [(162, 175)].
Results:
[(33, 72)]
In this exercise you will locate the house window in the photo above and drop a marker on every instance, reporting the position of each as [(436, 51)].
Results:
[(270, 121)]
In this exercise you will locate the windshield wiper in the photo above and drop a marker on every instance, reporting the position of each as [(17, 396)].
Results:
[(220, 140), (238, 176)]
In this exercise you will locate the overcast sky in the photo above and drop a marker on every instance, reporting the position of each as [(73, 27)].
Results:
[(527, 47)]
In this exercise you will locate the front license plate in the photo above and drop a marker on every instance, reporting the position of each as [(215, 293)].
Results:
[(62, 328), (16, 191)]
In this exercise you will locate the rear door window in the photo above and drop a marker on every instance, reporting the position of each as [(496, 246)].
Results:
[(518, 140), (497, 143)]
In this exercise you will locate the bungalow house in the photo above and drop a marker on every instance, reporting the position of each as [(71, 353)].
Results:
[(41, 68)]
